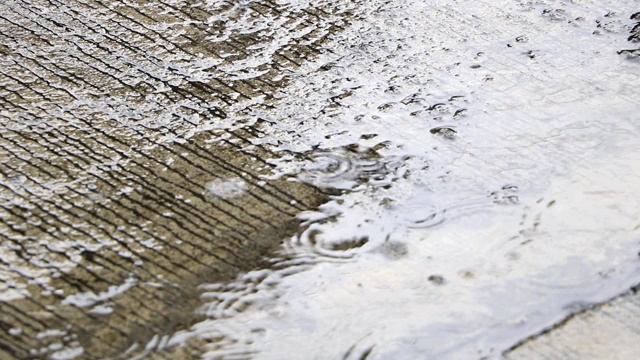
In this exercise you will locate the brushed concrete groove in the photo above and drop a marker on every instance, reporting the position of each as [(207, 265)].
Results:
[(123, 184)]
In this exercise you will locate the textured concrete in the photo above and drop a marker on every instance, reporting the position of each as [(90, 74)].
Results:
[(122, 183), (132, 171), (609, 331)]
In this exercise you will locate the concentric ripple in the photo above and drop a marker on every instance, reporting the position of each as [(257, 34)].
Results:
[(344, 169)]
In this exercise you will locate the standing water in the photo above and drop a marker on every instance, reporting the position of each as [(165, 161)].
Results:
[(486, 157)]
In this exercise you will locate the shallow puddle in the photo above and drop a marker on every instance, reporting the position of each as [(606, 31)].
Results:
[(487, 158)]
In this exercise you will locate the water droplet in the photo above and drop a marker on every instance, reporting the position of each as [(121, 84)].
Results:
[(393, 249), (436, 279), (444, 131)]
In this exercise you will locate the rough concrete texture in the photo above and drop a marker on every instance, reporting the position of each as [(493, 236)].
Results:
[(122, 184), (134, 174), (610, 331)]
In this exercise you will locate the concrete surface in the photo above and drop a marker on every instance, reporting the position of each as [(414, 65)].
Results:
[(607, 331), (135, 169), (112, 198)]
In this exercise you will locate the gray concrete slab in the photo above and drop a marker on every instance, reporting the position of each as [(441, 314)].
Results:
[(607, 331)]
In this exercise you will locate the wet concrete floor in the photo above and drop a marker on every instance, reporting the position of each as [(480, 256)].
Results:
[(127, 173), (329, 179)]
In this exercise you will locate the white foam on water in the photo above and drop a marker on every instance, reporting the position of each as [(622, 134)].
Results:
[(226, 188), (89, 298), (67, 353)]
